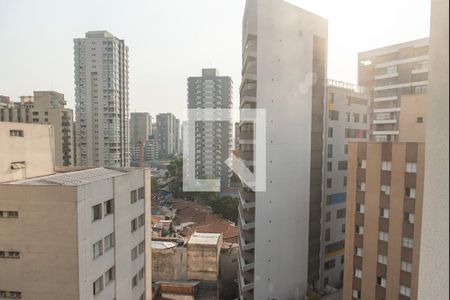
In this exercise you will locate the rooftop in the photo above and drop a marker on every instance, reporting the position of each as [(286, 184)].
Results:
[(75, 178), (198, 238), (161, 245)]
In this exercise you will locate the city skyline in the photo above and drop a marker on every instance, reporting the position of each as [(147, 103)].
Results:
[(153, 86)]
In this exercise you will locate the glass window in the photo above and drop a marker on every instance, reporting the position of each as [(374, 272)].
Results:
[(134, 225), (141, 220), (134, 253), (96, 212), (98, 249), (98, 285), (406, 266), (141, 193), (358, 273), (405, 291), (381, 281), (382, 259), (411, 167), (386, 165), (110, 275), (410, 192), (109, 207), (360, 208), (358, 251), (109, 241), (383, 236), (384, 213), (133, 196), (407, 242)]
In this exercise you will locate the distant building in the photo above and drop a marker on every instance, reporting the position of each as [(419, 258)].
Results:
[(151, 149), (391, 73), (84, 244), (236, 135), (167, 134), (347, 121), (213, 140), (27, 150), (101, 97), (140, 131)]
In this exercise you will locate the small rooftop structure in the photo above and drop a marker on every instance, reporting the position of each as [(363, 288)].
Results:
[(198, 238), (161, 245)]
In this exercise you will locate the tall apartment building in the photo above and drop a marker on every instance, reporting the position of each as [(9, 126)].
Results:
[(347, 121), (167, 134), (46, 107), (49, 108), (213, 140), (383, 235), (434, 261), (101, 97), (392, 73), (140, 131), (76, 235), (280, 228)]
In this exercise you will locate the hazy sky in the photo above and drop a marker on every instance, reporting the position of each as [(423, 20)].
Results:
[(170, 40)]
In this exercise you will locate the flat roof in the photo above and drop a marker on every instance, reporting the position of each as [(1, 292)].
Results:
[(198, 238), (163, 245), (75, 178)]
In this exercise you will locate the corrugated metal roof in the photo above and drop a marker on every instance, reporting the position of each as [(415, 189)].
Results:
[(73, 178)]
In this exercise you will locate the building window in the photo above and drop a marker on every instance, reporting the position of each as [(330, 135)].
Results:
[(109, 207), (356, 118), (342, 165), (98, 249), (110, 275), (405, 291), (141, 193), (384, 213), (410, 192), (407, 242), (361, 186), (406, 267), (134, 281), (330, 97), (342, 259), (333, 115), (419, 120), (10, 254), (381, 281), (362, 163), (345, 180), (16, 132), (343, 228), (358, 273), (330, 151), (360, 208), (382, 259), (134, 225), (9, 214), (327, 234), (109, 241), (141, 273), (141, 247), (134, 253), (356, 294), (347, 117), (411, 167), (330, 132), (340, 213), (386, 189), (329, 166), (141, 220), (358, 251), (328, 216), (133, 196), (329, 183), (96, 212), (98, 285), (329, 264), (383, 236), (346, 149), (10, 295), (386, 165), (409, 218), (359, 230)]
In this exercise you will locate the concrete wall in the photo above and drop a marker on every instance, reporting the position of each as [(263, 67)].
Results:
[(46, 235), (281, 259), (412, 107), (36, 148), (434, 267), (202, 262), (169, 264)]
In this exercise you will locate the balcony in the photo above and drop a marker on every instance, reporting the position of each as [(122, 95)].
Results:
[(246, 261), (247, 199), (389, 98), (248, 89), (247, 219), (245, 282), (387, 75), (384, 121)]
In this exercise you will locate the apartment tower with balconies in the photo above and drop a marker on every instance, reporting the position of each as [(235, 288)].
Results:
[(101, 100), (284, 72)]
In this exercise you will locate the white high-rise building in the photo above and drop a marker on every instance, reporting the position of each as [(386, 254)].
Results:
[(167, 134), (284, 72), (101, 97)]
